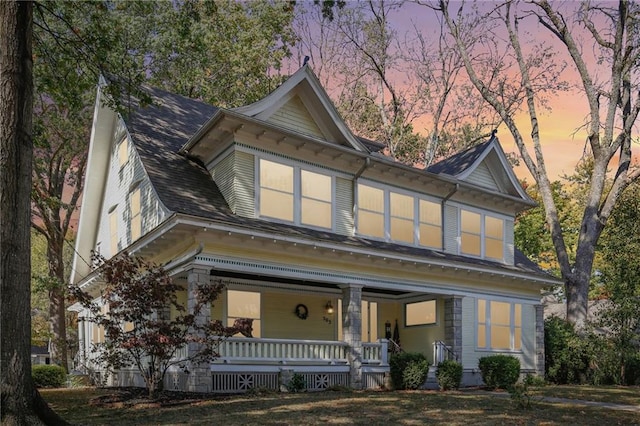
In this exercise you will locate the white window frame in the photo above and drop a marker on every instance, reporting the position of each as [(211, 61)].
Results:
[(387, 190), (297, 192), (487, 324), (483, 214)]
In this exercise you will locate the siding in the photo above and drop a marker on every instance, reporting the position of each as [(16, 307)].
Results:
[(118, 187), (508, 242), (280, 322), (244, 183), (294, 115), (481, 176), (450, 228), (528, 337), (344, 207), (469, 355), (223, 175)]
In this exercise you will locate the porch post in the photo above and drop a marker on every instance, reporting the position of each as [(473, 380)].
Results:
[(453, 325), (540, 340), (352, 331), (199, 379)]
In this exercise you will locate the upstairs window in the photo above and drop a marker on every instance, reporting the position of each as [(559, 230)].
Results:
[(481, 235), (136, 219), (297, 195), (399, 217), (123, 152)]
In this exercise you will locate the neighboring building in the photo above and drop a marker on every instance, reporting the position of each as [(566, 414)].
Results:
[(40, 355), (297, 215)]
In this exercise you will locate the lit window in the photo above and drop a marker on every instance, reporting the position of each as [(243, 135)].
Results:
[(276, 190), (499, 325), (123, 152), (430, 230), (369, 321), (481, 235), (420, 313), (244, 304), (315, 208), (136, 219), (295, 195), (370, 211), (113, 231), (401, 217)]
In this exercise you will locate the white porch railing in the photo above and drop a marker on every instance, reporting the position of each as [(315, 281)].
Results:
[(442, 352), (269, 351)]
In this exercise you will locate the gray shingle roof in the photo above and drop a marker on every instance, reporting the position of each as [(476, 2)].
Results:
[(461, 161), (184, 186)]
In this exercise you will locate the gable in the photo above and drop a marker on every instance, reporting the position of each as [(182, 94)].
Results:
[(295, 116), (482, 176)]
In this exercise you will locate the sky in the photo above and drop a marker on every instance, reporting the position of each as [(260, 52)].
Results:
[(561, 127)]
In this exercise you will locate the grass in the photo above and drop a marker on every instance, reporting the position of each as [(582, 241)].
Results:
[(350, 408), (629, 395)]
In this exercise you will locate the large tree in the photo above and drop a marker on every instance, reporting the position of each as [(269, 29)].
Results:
[(608, 83), (21, 402)]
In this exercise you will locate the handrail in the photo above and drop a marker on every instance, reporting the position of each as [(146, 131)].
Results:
[(442, 352)]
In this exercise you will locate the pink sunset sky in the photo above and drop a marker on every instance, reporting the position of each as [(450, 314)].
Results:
[(562, 130)]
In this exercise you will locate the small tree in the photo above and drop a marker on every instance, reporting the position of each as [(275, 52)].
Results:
[(144, 325)]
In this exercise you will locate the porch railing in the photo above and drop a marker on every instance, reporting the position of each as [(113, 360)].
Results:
[(442, 352), (259, 350)]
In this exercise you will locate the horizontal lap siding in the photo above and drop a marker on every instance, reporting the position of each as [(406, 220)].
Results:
[(344, 206), (450, 229), (509, 246), (481, 176), (279, 320), (224, 176), (294, 115), (244, 184)]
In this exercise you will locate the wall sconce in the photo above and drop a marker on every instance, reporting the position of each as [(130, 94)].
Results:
[(329, 308)]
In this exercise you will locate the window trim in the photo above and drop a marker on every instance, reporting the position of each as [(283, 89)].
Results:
[(483, 215), (487, 324), (297, 192), (386, 194)]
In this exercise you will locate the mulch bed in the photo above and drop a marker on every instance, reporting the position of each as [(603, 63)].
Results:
[(121, 397)]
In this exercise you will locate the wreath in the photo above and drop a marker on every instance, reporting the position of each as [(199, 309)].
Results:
[(302, 312)]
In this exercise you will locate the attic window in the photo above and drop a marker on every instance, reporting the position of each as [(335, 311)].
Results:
[(123, 152)]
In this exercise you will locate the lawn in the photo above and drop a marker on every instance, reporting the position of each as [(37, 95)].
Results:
[(347, 408)]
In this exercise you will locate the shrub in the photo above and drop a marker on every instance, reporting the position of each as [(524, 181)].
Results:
[(522, 393), (297, 383), (408, 370), (632, 370), (48, 376), (499, 371), (567, 357), (449, 375)]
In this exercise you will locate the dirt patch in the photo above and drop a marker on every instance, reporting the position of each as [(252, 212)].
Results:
[(139, 398)]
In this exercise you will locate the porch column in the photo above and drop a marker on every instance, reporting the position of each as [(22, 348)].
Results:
[(199, 379), (453, 325), (352, 331), (540, 340)]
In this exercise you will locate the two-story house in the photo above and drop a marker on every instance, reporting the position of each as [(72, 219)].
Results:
[(323, 241)]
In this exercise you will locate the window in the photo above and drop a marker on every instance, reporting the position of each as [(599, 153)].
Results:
[(295, 195), (123, 152), (481, 235), (420, 313), (244, 304), (113, 231), (369, 312), (370, 211), (398, 217), (136, 219), (499, 325)]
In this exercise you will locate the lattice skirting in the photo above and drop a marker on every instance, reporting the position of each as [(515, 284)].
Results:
[(239, 382), (373, 380)]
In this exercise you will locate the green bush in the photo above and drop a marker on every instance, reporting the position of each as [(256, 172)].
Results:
[(567, 356), (522, 393), (48, 376), (297, 383), (632, 370), (499, 371), (449, 375), (408, 370)]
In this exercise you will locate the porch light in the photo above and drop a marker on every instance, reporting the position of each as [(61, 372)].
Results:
[(329, 307)]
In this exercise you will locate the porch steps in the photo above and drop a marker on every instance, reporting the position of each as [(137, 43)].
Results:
[(431, 383)]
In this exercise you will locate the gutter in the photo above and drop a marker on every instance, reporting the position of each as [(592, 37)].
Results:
[(365, 165)]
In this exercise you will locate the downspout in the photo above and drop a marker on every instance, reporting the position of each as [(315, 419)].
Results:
[(366, 165), (444, 200)]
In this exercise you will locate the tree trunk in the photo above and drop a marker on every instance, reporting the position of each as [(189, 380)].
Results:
[(57, 305), (21, 402)]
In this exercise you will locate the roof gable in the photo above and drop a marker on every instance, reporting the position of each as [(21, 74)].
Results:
[(484, 165), (301, 104)]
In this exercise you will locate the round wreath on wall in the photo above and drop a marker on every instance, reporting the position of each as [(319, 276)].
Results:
[(302, 312)]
